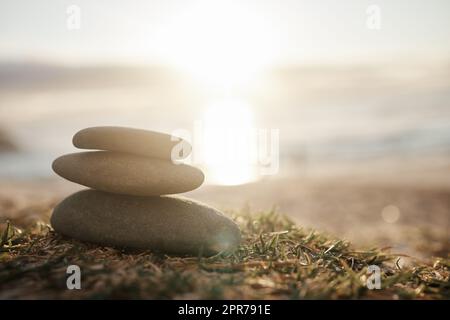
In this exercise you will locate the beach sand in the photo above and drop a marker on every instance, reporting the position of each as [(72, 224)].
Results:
[(345, 206)]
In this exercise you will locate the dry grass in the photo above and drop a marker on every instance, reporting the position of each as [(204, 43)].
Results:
[(277, 260)]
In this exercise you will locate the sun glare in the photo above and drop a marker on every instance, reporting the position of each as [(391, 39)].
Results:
[(228, 145), (221, 45)]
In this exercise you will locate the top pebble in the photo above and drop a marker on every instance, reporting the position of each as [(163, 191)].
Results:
[(135, 141)]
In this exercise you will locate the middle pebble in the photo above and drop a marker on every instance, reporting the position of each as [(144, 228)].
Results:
[(127, 174)]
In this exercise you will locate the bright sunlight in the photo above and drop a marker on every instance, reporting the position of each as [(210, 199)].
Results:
[(228, 145), (222, 45)]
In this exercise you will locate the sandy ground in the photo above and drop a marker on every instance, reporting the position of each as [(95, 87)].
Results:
[(411, 215), (403, 203), (411, 220)]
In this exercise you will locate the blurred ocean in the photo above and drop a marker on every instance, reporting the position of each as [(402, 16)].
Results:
[(325, 114)]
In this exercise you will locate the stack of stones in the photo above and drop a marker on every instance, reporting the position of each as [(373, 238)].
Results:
[(131, 176)]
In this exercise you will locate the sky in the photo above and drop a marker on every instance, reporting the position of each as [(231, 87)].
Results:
[(247, 33), (225, 46)]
